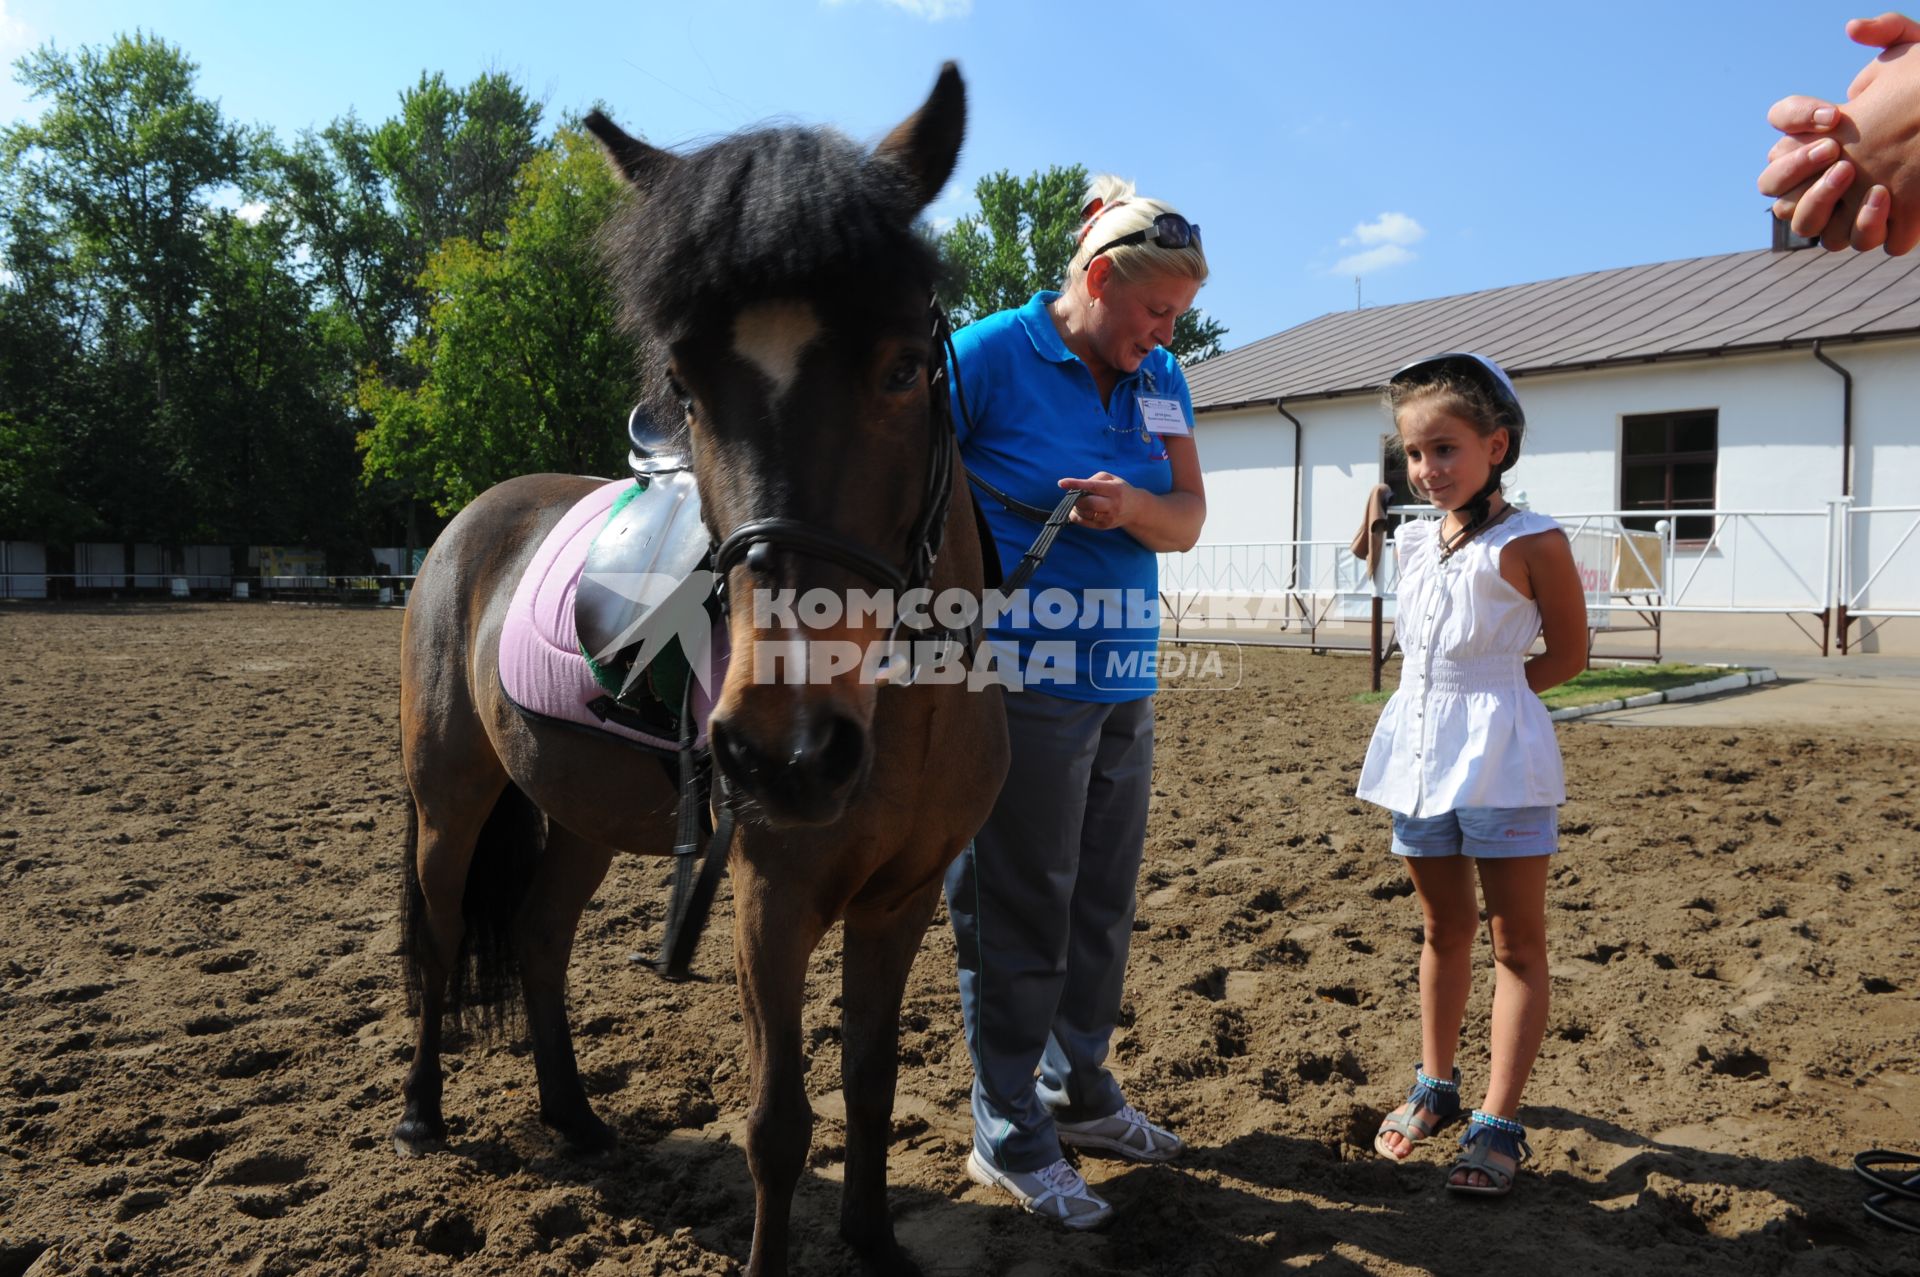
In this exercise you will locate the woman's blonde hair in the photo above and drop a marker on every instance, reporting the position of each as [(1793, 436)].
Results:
[(1117, 211)]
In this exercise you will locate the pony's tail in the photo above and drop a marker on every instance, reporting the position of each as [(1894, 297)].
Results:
[(415, 944), (484, 981)]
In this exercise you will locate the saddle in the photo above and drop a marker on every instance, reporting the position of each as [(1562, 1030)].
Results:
[(644, 610), (628, 676)]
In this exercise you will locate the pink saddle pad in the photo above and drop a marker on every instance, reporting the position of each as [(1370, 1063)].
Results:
[(542, 668)]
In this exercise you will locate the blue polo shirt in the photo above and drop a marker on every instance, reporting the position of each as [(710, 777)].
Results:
[(1037, 419)]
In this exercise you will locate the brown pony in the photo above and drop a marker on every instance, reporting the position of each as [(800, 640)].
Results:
[(780, 296)]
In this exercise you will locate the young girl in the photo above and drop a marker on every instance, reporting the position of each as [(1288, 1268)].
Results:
[(1464, 753)]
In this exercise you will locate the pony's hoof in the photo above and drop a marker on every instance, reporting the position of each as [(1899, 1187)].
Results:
[(416, 1138), (583, 1132), (881, 1256)]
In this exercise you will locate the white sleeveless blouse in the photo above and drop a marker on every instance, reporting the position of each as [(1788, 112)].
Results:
[(1464, 729)]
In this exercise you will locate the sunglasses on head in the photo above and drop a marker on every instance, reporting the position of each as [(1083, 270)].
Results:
[(1476, 368), (1169, 230)]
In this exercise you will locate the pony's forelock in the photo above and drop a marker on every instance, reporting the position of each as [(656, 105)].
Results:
[(771, 214)]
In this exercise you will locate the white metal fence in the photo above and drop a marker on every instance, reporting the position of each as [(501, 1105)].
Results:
[(1878, 560), (350, 588), (1838, 565), (1828, 567), (1290, 593), (23, 568)]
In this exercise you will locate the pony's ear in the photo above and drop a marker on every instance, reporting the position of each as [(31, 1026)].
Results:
[(926, 145), (639, 163)]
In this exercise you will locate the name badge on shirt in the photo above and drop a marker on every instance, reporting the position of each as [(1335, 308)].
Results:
[(1163, 417)]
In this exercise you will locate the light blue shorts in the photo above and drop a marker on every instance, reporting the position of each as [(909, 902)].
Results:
[(1487, 833)]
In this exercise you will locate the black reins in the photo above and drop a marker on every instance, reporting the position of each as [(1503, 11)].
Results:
[(1051, 521)]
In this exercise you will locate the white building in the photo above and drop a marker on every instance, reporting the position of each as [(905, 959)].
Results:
[(1773, 381)]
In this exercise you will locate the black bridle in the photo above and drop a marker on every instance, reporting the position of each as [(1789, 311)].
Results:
[(755, 540)]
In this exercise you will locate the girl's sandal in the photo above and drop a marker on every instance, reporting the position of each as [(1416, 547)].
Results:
[(1429, 1094), (1486, 1137)]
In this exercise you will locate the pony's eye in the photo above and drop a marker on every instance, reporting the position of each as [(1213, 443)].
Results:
[(680, 393), (905, 373)]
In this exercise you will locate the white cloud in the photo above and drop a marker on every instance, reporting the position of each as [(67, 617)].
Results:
[(931, 10), (251, 212), (16, 38), (1388, 228), (15, 35), (1372, 259), (1383, 242)]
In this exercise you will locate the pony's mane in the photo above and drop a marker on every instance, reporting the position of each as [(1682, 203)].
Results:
[(774, 213)]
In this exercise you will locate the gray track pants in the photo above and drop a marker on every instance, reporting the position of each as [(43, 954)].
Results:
[(1042, 910)]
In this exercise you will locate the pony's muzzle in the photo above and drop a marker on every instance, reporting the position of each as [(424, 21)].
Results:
[(801, 773)]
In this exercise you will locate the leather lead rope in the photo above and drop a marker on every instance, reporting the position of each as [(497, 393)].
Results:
[(1051, 521), (1049, 532)]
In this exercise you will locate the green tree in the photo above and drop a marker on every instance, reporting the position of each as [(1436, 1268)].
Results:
[(107, 197), (166, 369), (451, 160), (374, 204), (1016, 245), (273, 457), (1019, 243), (122, 167), (43, 379), (520, 368), (1196, 336), (339, 198)]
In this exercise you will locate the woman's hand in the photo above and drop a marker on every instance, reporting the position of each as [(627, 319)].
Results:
[(1851, 173), (1164, 523), (1105, 506)]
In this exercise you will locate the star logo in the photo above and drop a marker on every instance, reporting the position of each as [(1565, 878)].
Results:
[(669, 607)]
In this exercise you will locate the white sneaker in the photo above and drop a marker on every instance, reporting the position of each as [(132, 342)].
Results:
[(1126, 1133), (1054, 1192)]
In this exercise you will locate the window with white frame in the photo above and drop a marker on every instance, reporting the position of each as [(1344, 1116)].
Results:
[(1669, 461)]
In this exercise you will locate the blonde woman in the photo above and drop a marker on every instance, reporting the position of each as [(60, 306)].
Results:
[(1075, 391)]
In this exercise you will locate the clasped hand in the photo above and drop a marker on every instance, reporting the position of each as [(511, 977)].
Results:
[(1849, 172)]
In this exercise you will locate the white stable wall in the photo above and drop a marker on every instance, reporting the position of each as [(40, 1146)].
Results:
[(1780, 449)]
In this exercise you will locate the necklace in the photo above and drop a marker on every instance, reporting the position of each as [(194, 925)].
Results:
[(1450, 544)]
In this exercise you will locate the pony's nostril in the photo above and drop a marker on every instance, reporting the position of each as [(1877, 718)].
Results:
[(811, 771), (734, 753), (841, 753)]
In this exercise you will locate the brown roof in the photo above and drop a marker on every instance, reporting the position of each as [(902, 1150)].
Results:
[(1735, 302)]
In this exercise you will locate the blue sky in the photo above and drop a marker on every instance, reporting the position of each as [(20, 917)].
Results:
[(1431, 149)]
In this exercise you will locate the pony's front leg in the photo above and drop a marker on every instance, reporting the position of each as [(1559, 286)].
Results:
[(570, 871), (776, 926), (881, 941)]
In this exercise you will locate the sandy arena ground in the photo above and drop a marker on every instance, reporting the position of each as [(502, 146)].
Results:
[(204, 1033)]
